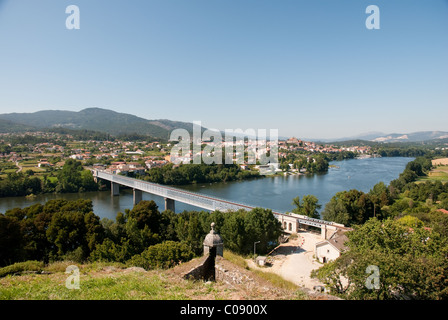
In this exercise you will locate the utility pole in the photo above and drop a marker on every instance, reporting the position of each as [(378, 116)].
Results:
[(255, 244)]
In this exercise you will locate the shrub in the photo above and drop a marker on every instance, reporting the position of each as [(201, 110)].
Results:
[(163, 255), (19, 267)]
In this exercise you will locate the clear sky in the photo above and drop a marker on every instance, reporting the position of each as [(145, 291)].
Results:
[(309, 68)]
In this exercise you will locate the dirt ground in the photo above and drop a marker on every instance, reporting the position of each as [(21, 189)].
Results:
[(261, 290), (294, 260)]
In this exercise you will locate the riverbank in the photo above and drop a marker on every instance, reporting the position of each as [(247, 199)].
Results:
[(275, 192)]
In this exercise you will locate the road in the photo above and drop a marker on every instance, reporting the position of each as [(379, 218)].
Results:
[(294, 260)]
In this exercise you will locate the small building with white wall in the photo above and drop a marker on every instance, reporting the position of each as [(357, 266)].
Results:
[(331, 249)]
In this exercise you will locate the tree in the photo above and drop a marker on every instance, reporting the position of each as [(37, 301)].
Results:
[(402, 256), (11, 240), (73, 178), (69, 177), (74, 227), (146, 213), (233, 231), (308, 207), (349, 208), (260, 225)]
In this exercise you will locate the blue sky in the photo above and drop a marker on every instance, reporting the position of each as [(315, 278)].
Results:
[(309, 68)]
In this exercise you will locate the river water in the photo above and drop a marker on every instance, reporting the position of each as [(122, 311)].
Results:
[(270, 192)]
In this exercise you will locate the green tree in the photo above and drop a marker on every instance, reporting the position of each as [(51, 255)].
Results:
[(146, 213), (349, 208), (73, 178), (69, 177), (233, 231), (402, 256), (308, 207), (11, 240), (74, 226), (261, 225)]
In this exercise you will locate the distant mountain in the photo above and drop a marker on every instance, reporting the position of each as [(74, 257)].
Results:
[(393, 137), (7, 126), (412, 137), (95, 119), (368, 136)]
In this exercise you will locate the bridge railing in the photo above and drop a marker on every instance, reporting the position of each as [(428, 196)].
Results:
[(198, 199), (194, 198)]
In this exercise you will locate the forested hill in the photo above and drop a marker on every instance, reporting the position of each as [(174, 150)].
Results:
[(96, 119)]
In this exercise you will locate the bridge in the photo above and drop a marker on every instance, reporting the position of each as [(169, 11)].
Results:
[(290, 222)]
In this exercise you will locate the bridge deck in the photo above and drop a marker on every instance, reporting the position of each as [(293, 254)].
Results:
[(201, 200)]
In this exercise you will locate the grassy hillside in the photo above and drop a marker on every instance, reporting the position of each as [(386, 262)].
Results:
[(115, 281)]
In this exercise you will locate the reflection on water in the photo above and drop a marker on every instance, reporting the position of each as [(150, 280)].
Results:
[(269, 192)]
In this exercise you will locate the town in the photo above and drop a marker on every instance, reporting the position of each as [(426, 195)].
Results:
[(42, 153)]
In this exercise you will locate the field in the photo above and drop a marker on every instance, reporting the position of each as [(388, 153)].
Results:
[(442, 161), (439, 173)]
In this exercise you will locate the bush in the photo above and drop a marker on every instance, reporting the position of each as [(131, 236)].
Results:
[(21, 267), (109, 251), (76, 255), (163, 255)]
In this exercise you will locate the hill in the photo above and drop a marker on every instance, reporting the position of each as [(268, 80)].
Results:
[(94, 119), (7, 126), (115, 281), (412, 137), (379, 137)]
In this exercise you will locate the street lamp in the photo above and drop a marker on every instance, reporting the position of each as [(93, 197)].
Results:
[(255, 244)]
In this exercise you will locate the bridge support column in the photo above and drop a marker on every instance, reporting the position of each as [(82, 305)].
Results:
[(137, 196), (169, 204), (115, 189)]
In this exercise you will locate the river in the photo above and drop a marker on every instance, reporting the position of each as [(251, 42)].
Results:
[(275, 192)]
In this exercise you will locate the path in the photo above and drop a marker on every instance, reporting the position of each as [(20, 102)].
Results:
[(294, 260)]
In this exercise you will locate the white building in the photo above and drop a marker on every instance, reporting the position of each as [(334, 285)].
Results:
[(332, 248)]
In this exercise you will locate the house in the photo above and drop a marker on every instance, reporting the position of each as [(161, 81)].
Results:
[(155, 163), (77, 157), (44, 163), (99, 166), (332, 248)]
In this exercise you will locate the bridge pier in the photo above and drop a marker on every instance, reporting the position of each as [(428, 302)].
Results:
[(137, 195), (169, 204), (291, 222), (115, 189)]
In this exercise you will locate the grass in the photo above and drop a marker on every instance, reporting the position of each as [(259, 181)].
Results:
[(236, 259), (95, 284), (130, 286), (112, 281), (439, 173)]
